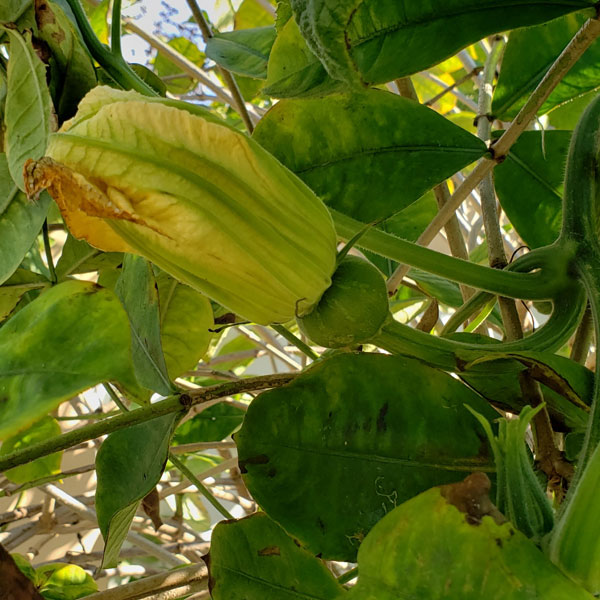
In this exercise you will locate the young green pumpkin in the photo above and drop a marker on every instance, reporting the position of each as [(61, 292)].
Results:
[(352, 310)]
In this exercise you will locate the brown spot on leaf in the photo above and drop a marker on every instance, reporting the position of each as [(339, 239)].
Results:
[(381, 424), (471, 496), (270, 551), (460, 363), (58, 36), (260, 459), (43, 14)]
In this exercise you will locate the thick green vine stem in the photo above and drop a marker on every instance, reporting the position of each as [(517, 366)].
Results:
[(115, 28), (550, 264), (581, 202), (113, 62), (452, 355), (580, 226), (171, 404), (466, 311), (588, 268)]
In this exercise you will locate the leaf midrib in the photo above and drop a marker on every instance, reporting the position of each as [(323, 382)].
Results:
[(270, 584), (463, 465), (389, 150), (577, 4)]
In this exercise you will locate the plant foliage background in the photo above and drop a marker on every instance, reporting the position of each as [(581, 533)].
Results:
[(413, 414)]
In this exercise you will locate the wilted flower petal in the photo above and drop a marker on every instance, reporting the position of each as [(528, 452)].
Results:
[(196, 197)]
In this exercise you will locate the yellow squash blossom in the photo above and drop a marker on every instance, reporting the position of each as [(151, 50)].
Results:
[(204, 202)]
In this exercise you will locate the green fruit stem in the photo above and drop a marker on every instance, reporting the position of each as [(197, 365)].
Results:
[(112, 62), (580, 226), (453, 355), (548, 279), (588, 268), (581, 202), (475, 303)]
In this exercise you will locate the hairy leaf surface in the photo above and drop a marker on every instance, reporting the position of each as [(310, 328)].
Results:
[(529, 184), (374, 41)]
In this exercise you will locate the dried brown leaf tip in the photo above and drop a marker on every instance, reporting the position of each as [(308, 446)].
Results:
[(151, 506), (14, 585)]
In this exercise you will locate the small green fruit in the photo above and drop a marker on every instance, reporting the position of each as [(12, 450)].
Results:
[(352, 310)]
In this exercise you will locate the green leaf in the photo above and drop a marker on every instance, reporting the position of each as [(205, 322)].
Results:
[(97, 17), (11, 10), (185, 320), (529, 185), (62, 581), (252, 14), (74, 74), (337, 147), (24, 566), (566, 385), (20, 221), (283, 14), (407, 224), (16, 286), (245, 51), (129, 464), (249, 88), (376, 41), (79, 257), (211, 425), (163, 67), (254, 559), (44, 429), (28, 110), (369, 429), (444, 290), (410, 222), (138, 292), (293, 70), (72, 337), (523, 69), (519, 493), (151, 78), (567, 115), (426, 548)]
